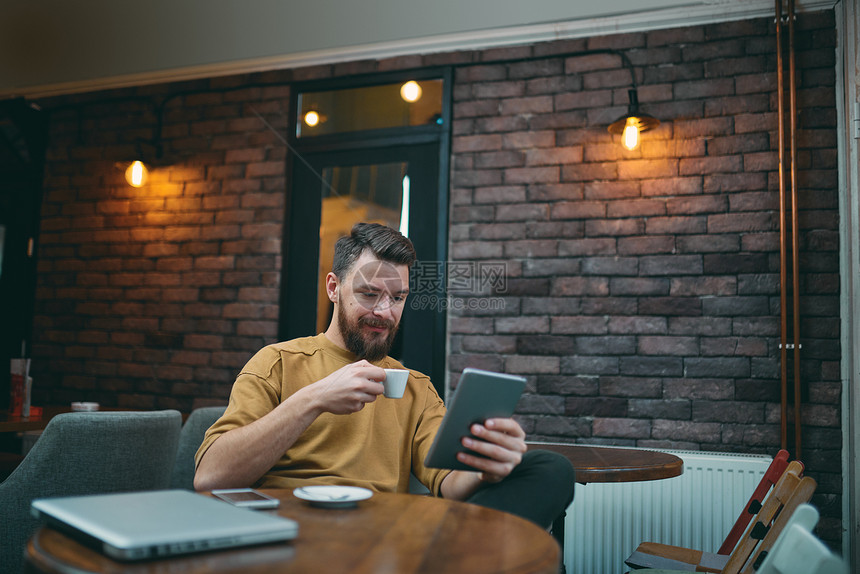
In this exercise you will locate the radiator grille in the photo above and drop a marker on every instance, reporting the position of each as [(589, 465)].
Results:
[(607, 521)]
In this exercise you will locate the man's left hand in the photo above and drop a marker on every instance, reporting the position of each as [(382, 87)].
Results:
[(501, 441)]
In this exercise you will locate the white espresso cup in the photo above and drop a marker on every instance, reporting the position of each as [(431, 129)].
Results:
[(395, 383)]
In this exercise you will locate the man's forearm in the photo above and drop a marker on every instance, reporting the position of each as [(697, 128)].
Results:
[(239, 457), (460, 484)]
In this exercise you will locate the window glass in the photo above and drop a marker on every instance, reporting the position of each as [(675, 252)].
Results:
[(403, 104), (374, 193)]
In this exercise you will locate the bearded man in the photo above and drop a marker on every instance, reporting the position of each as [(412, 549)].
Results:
[(308, 411)]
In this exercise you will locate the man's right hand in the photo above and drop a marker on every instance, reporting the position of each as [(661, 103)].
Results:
[(348, 389)]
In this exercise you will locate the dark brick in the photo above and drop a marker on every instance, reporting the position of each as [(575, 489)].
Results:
[(613, 227), (671, 265), (679, 409), (578, 210), (550, 305), (551, 267), (758, 284), (651, 366), (621, 427), (638, 286), (735, 306), (489, 344), (545, 345), (708, 243), (665, 345), (589, 365), (671, 306), (567, 385), (747, 326), (579, 325), (608, 306), (594, 286), (757, 390), (708, 285), (588, 246), (634, 325), (646, 245), (532, 364), (728, 411), (610, 266), (676, 225), (717, 367), (699, 388), (563, 426), (595, 407), (605, 345), (738, 346), (704, 432)]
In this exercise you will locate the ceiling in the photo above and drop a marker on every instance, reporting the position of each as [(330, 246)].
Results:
[(55, 46)]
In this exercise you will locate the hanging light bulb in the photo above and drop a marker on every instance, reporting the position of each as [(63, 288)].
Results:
[(634, 122), (312, 118), (410, 91), (137, 174), (630, 136)]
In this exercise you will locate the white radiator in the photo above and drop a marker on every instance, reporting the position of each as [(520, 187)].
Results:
[(607, 521)]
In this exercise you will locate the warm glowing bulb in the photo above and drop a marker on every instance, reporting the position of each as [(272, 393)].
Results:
[(136, 174), (410, 91), (630, 137), (312, 118)]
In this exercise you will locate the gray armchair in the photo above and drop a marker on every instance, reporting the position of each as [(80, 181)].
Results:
[(196, 425), (86, 453)]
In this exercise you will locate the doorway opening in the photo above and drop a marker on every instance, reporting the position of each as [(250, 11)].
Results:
[(377, 158)]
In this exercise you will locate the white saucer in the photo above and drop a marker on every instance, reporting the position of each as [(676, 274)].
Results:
[(333, 496)]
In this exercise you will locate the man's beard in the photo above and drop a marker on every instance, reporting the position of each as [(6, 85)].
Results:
[(372, 350)]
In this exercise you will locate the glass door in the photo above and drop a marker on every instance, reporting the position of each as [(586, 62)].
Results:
[(373, 193), (330, 192)]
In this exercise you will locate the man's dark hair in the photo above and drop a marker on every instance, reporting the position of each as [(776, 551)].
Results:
[(385, 243)]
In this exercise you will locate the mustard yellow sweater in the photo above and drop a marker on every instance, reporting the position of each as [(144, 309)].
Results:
[(376, 447)]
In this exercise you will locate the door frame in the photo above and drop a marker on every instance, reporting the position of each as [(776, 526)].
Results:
[(848, 93), (22, 185), (306, 153)]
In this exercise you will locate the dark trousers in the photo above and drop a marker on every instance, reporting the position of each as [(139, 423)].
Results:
[(539, 489)]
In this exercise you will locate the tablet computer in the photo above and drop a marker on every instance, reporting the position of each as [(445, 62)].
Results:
[(480, 395)]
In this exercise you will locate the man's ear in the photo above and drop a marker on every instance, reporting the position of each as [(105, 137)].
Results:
[(332, 287)]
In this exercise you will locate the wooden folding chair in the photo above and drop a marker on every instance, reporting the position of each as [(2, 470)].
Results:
[(779, 515), (753, 505), (789, 491)]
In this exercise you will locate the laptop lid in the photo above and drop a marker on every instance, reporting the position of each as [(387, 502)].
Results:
[(160, 523)]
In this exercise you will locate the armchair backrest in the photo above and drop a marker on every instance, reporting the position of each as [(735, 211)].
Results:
[(86, 453), (190, 439), (799, 551)]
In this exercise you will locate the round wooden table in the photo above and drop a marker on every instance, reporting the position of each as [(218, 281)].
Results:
[(615, 464), (611, 464), (388, 533)]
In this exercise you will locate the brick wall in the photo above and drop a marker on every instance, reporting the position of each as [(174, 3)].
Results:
[(153, 297), (642, 297), (643, 293)]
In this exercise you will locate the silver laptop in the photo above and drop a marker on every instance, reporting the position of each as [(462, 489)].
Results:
[(160, 523)]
